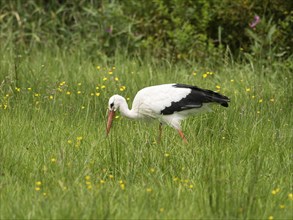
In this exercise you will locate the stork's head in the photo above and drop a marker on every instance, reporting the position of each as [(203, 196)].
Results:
[(113, 105), (114, 102)]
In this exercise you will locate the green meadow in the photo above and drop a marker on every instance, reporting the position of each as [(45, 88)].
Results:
[(57, 163)]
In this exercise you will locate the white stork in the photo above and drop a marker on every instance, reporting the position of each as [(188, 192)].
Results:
[(169, 103)]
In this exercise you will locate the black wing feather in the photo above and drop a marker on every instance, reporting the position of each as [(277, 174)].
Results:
[(195, 99)]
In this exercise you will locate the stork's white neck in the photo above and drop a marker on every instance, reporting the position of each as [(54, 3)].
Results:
[(125, 111)]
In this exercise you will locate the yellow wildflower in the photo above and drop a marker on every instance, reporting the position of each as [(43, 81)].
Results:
[(29, 89), (205, 75), (290, 196), (110, 72), (37, 188), (17, 89), (122, 88), (232, 80), (97, 94), (79, 84), (102, 181), (38, 183), (175, 179), (275, 191), (260, 101), (105, 78), (87, 177), (51, 97), (271, 217), (79, 138), (111, 176), (68, 93), (53, 160), (98, 67), (272, 100), (152, 170), (69, 141), (166, 155), (218, 87), (282, 206), (103, 87), (78, 92), (247, 89), (149, 190), (122, 186), (116, 79)]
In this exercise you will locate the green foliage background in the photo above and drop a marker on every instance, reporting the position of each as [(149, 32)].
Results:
[(61, 60), (173, 29)]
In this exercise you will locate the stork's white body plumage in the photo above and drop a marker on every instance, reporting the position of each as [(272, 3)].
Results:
[(150, 101), (169, 103)]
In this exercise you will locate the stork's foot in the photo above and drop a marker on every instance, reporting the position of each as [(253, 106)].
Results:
[(182, 136)]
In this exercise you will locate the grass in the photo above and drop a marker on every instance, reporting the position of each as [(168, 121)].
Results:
[(56, 161)]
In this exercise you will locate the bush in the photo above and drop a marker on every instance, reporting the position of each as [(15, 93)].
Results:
[(172, 29)]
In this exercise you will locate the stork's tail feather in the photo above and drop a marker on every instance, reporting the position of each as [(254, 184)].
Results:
[(216, 97)]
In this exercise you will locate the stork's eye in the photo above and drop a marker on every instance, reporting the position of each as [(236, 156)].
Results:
[(112, 105)]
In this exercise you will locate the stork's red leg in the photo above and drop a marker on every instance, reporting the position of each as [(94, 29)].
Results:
[(182, 136), (160, 133)]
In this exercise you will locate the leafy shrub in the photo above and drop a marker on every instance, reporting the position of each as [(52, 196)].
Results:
[(174, 29)]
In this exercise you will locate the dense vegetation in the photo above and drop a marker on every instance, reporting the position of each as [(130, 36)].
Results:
[(172, 29), (60, 61)]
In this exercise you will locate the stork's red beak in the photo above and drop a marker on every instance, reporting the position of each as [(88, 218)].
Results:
[(111, 115)]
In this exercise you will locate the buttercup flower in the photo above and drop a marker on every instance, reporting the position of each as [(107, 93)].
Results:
[(149, 190)]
